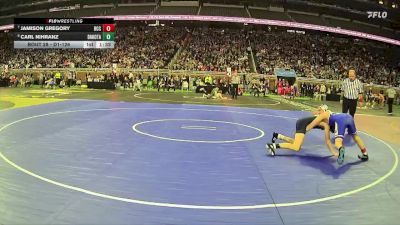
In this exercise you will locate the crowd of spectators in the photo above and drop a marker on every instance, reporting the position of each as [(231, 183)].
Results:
[(147, 48), (215, 50), (318, 56), (324, 56), (136, 47)]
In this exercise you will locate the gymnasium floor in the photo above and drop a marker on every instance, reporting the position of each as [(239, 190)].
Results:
[(65, 160)]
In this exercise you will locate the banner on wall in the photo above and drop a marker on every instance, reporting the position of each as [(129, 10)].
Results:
[(285, 73)]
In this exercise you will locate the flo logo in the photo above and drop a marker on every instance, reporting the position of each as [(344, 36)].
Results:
[(377, 14)]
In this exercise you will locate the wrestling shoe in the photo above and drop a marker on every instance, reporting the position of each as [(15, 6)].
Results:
[(340, 158), (363, 157), (271, 147), (274, 137)]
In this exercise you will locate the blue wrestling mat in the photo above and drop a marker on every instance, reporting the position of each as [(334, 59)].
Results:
[(99, 162)]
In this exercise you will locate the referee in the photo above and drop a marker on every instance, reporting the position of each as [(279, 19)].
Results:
[(235, 84), (391, 93), (352, 89)]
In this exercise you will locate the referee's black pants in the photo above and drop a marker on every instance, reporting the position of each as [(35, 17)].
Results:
[(349, 105), (235, 89), (390, 104)]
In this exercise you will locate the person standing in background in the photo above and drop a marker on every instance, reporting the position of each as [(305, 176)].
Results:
[(351, 89), (322, 91), (69, 76), (391, 94), (303, 89), (57, 77), (235, 84), (41, 79)]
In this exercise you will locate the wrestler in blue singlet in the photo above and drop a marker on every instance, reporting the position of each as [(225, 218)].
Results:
[(342, 121)]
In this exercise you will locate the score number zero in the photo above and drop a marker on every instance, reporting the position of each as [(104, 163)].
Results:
[(104, 28)]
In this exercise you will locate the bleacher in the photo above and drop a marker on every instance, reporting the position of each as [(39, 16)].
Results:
[(146, 7), (132, 10), (309, 19), (390, 33), (89, 12), (223, 11), (353, 26), (6, 21), (363, 27), (85, 12), (58, 14), (265, 14), (176, 10), (345, 24)]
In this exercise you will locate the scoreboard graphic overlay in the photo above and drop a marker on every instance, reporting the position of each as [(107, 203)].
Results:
[(64, 33)]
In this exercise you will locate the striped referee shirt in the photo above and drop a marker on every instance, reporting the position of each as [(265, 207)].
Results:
[(352, 89)]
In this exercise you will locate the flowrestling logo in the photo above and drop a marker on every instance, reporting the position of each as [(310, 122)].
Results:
[(377, 14)]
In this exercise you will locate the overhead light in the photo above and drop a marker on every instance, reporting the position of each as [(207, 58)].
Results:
[(381, 2), (394, 5)]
